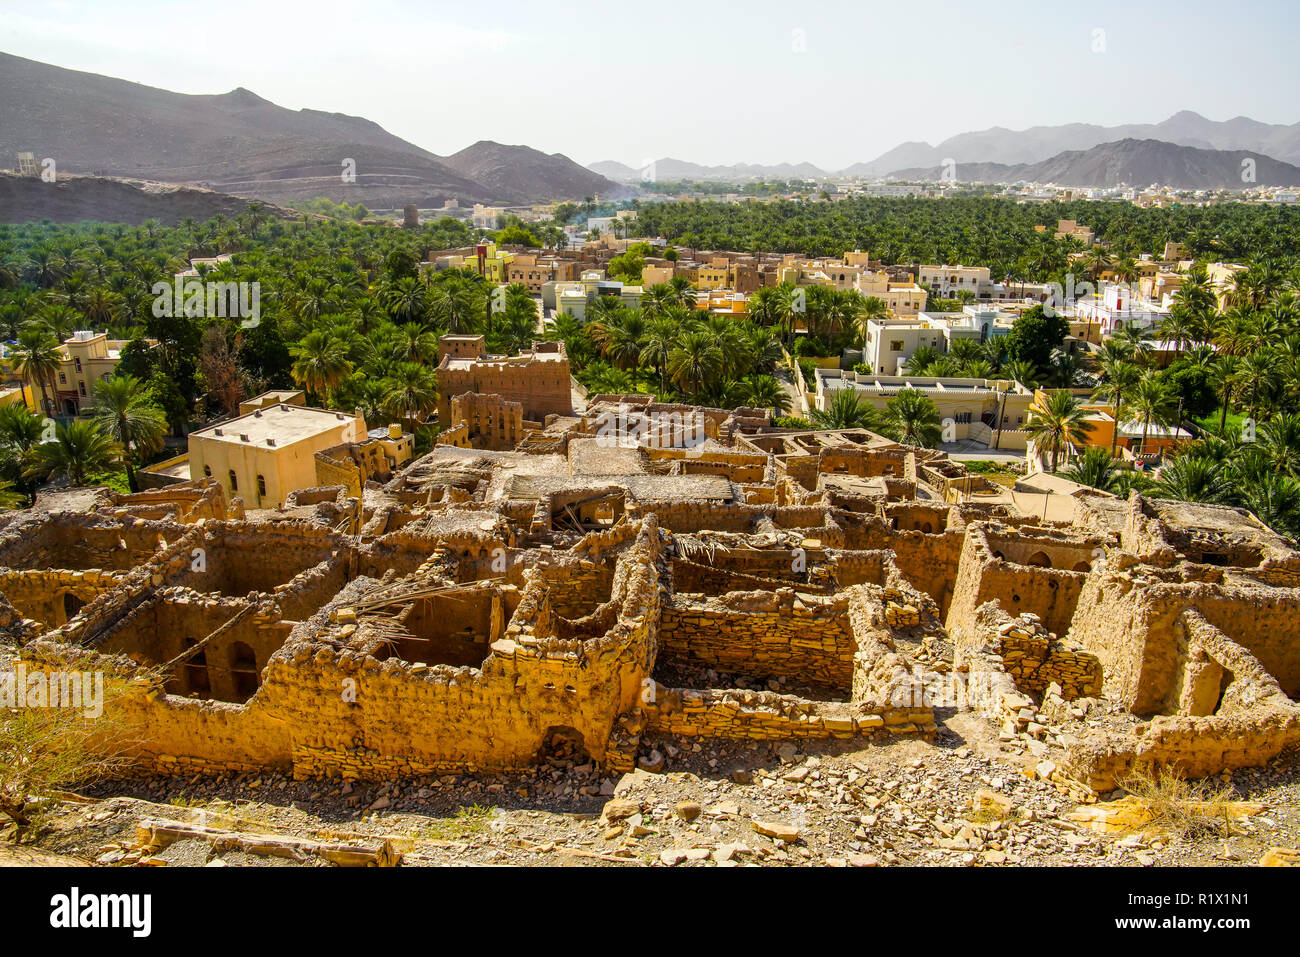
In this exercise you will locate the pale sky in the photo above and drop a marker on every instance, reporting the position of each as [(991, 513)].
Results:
[(831, 83)]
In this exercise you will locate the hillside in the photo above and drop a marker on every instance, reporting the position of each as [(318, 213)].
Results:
[(1039, 143), (77, 198), (670, 170), (521, 174), (1131, 162), (235, 142)]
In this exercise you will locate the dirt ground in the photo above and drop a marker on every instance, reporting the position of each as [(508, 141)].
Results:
[(964, 799)]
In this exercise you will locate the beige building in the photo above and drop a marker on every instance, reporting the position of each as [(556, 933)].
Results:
[(968, 408), (87, 357), (1068, 227), (903, 299), (538, 379), (264, 455), (947, 281)]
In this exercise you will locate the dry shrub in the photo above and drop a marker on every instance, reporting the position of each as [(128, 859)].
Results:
[(44, 751), (1188, 810)]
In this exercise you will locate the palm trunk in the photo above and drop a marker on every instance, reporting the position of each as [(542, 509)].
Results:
[(1114, 435), (1223, 419)]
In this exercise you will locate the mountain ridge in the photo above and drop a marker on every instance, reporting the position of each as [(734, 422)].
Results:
[(1131, 162), (239, 142)]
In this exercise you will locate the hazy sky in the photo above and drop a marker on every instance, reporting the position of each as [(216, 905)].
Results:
[(711, 82)]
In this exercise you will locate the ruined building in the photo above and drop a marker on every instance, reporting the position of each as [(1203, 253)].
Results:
[(641, 570)]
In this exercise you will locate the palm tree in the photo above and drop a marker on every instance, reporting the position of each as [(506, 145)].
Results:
[(657, 298), (1022, 371), (1273, 497), (1096, 260), (1257, 378), (766, 392), (1194, 478), (37, 358), (411, 392), (414, 344), (847, 411), (1117, 387), (1224, 377), (1152, 404), (1279, 443), (1056, 422), (126, 412), (79, 448), (657, 342), (20, 430), (10, 498), (912, 418), (320, 363), (694, 361), (1096, 469)]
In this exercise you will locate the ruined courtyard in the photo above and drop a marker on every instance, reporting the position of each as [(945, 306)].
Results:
[(604, 601)]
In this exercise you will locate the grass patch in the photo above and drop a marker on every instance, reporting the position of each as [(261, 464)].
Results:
[(468, 820), (1188, 810), (1210, 423)]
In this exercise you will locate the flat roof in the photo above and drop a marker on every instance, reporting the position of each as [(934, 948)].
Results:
[(286, 424)]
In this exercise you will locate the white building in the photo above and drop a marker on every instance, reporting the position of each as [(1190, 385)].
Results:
[(890, 343), (1119, 308)]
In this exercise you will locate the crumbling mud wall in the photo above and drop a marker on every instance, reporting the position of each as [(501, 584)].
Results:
[(780, 633), (765, 716)]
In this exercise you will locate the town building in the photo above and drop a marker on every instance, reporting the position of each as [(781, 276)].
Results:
[(947, 281), (538, 379), (84, 359), (573, 298), (889, 343), (1117, 308), (267, 454), (969, 408)]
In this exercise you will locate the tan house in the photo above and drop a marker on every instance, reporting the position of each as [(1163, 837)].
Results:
[(87, 358), (264, 455)]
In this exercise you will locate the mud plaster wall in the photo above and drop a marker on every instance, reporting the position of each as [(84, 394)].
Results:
[(1046, 592), (1132, 625), (40, 595)]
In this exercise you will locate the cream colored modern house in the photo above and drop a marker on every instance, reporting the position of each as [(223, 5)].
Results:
[(264, 455), (968, 408)]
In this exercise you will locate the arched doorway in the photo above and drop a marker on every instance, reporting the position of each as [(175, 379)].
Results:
[(243, 668), (194, 672), (72, 605)]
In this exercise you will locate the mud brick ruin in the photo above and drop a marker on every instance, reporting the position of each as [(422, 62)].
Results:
[(710, 576)]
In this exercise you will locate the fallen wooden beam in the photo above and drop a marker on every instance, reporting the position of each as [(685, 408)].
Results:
[(155, 834)]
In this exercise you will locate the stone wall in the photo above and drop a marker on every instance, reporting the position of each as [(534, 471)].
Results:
[(490, 421), (780, 633), (765, 716), (47, 597)]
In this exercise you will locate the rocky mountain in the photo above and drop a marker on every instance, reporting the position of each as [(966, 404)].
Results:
[(238, 142), (1038, 143), (72, 199), (671, 170), (1129, 162), (521, 174)]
